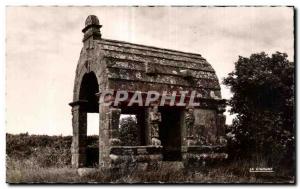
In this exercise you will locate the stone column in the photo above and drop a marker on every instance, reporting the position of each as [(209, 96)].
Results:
[(220, 123), (154, 122), (108, 133), (114, 117), (189, 120), (79, 124), (103, 135), (108, 129)]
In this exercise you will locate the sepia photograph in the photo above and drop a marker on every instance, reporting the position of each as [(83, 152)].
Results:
[(150, 95)]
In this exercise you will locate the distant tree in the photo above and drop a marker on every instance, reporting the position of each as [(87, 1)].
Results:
[(128, 131), (263, 99)]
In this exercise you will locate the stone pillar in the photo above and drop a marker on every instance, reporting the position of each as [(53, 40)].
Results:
[(108, 133), (154, 122), (220, 123), (114, 117), (103, 136), (79, 124), (189, 120)]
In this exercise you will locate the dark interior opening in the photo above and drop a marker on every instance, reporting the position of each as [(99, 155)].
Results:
[(88, 90), (170, 133), (92, 151)]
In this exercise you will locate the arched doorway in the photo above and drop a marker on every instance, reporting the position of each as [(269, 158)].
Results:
[(88, 89)]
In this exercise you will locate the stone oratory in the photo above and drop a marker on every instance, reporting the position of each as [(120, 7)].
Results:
[(191, 135)]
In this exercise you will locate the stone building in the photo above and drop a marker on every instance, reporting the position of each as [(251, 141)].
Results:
[(192, 135)]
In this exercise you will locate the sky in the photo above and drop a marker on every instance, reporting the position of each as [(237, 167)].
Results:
[(43, 46)]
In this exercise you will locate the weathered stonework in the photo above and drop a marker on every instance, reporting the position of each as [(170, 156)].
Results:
[(189, 119), (193, 135), (154, 122), (114, 116)]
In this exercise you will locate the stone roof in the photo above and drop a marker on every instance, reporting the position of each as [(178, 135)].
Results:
[(134, 67)]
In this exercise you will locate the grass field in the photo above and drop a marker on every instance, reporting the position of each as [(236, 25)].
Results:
[(46, 159)]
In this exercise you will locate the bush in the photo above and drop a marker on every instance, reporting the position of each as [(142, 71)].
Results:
[(263, 99), (45, 151), (128, 131)]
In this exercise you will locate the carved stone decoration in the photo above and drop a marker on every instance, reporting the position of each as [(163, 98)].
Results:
[(150, 69), (87, 65), (155, 120), (186, 74), (199, 134), (222, 140), (189, 120), (92, 28), (211, 132), (221, 108)]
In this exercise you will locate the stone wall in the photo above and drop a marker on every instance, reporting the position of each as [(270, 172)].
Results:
[(205, 127)]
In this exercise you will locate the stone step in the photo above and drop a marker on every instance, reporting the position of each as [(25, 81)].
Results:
[(174, 165)]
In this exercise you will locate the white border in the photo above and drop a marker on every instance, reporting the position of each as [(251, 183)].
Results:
[(5, 3), (150, 2)]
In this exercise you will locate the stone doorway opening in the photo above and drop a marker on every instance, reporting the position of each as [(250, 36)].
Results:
[(92, 145), (128, 130), (88, 146), (170, 133), (138, 113)]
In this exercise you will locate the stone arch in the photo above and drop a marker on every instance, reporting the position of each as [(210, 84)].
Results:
[(90, 79), (89, 88), (86, 65)]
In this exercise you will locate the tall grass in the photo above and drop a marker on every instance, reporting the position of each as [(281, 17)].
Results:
[(44, 159)]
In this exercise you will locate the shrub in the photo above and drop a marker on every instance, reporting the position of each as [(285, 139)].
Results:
[(128, 131), (263, 99)]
